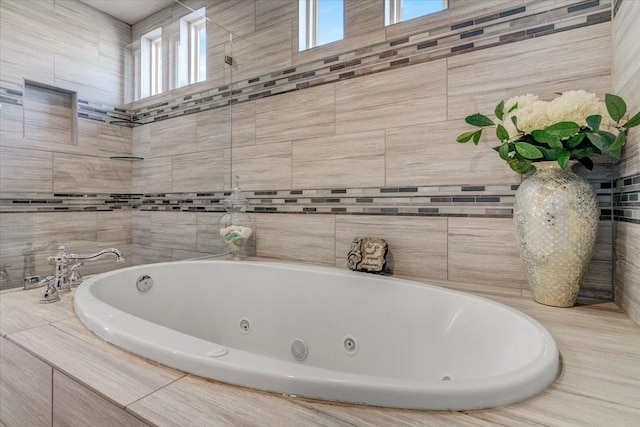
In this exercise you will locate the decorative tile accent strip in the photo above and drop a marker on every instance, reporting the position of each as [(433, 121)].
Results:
[(626, 199), (64, 202), (489, 201)]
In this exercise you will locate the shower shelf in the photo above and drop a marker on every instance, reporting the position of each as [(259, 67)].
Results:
[(127, 158), (126, 123)]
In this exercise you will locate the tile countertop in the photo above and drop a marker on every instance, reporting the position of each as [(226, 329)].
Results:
[(599, 384)]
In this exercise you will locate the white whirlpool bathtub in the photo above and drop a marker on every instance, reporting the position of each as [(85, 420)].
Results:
[(322, 333)]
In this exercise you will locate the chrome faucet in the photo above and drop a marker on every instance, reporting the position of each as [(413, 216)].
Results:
[(62, 281)]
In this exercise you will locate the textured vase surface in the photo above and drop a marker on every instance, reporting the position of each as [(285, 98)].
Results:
[(556, 219)]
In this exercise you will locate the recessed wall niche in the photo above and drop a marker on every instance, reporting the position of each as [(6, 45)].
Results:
[(50, 113)]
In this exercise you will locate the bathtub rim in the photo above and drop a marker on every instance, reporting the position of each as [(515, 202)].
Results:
[(525, 381)]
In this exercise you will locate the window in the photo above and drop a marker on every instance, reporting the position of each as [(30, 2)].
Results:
[(151, 63), (192, 49), (402, 10), (320, 22)]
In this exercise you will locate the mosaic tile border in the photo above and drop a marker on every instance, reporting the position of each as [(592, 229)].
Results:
[(626, 199), (488, 201), (513, 24), (65, 202)]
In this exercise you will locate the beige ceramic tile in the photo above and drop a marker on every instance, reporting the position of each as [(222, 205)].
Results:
[(117, 375), (525, 66), (149, 255), (362, 17), (114, 226), (429, 155), (270, 12), (599, 276), (483, 250), (386, 417), (243, 123), (213, 129), (352, 160), (296, 237), (296, 115), (175, 230), (174, 136), (114, 139), (392, 99), (263, 51), (625, 47), (41, 227), (223, 405), (11, 119), (141, 227), (418, 246), (202, 171), (627, 267), (25, 387), (75, 405), (153, 175), (263, 167), (25, 170), (72, 173)]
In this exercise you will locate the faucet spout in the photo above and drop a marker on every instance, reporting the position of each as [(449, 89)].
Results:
[(119, 257)]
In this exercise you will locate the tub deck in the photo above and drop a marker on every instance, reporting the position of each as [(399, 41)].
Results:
[(599, 383)]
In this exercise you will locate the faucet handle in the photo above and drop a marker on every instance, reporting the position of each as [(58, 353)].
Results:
[(50, 293), (75, 278)]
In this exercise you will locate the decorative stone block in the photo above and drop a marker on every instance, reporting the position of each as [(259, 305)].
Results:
[(368, 254)]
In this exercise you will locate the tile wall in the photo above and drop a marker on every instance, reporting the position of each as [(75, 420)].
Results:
[(626, 80), (359, 137), (53, 188), (353, 138)]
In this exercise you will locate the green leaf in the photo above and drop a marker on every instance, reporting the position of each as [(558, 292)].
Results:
[(550, 153), (563, 129), (563, 158), (502, 133), (602, 140), (587, 163), (465, 137), (479, 120), (575, 140), (615, 149), (632, 122), (521, 166), (476, 136), (546, 138), (503, 151), (615, 106), (500, 110), (528, 151), (513, 108), (594, 121)]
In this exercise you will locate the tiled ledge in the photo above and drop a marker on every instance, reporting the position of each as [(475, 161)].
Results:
[(598, 385)]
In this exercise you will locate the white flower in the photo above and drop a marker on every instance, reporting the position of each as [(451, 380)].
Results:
[(519, 102), (576, 106)]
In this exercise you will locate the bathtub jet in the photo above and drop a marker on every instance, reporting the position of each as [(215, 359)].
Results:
[(323, 333)]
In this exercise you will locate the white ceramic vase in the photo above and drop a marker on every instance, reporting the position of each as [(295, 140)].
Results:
[(556, 218)]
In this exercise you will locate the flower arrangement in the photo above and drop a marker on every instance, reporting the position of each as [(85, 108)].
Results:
[(573, 126)]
